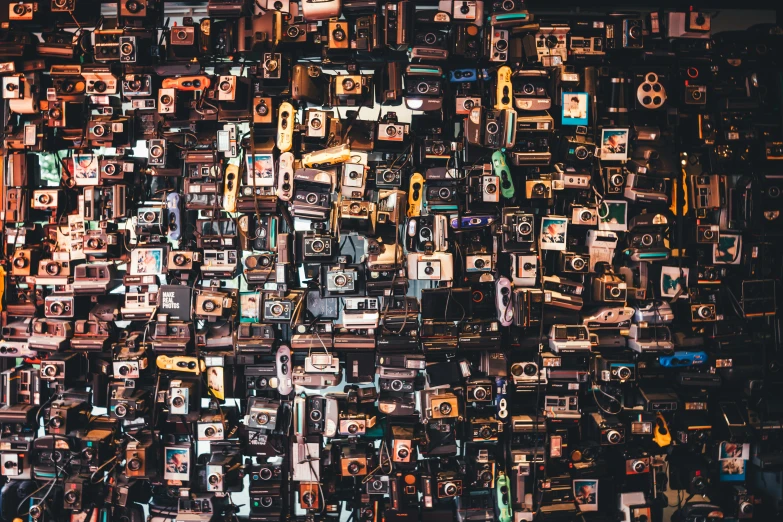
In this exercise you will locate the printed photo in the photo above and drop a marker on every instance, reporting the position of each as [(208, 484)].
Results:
[(574, 108), (586, 494), (727, 250), (674, 281), (733, 450), (263, 168), (553, 232), (732, 470), (613, 215), (146, 261), (249, 307), (177, 464), (614, 144), (85, 169), (215, 381)]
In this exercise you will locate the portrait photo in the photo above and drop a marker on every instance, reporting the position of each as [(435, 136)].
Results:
[(146, 261), (249, 307), (553, 232), (263, 168), (586, 494), (614, 144), (85, 169), (177, 463), (574, 108)]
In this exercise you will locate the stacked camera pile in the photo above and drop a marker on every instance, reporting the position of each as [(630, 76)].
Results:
[(535, 280)]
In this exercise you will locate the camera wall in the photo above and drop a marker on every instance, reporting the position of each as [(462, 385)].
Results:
[(329, 260)]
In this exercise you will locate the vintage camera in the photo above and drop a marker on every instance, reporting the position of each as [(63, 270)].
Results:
[(430, 43), (531, 92), (262, 414), (608, 287), (614, 179), (519, 232), (608, 429), (438, 266), (442, 406), (703, 313), (587, 216), (527, 373), (312, 194), (317, 246), (448, 484), (341, 280), (352, 90), (573, 263), (423, 87), (278, 310)]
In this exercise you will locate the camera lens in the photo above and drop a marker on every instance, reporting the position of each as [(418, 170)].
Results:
[(450, 489), (292, 32), (99, 130), (56, 422), (635, 32), (578, 264), (19, 9), (133, 6), (56, 308), (225, 86), (354, 468), (156, 151), (581, 152), (501, 45), (262, 109), (266, 501), (773, 192), (348, 84), (209, 306), (178, 402), (271, 65), (423, 87), (36, 511), (126, 48), (430, 38), (315, 123), (551, 41), (479, 263), (276, 309), (134, 464), (214, 479), (614, 291), (308, 499), (647, 239), (121, 410), (445, 408), (524, 229), (624, 373), (491, 188), (49, 370), (340, 280), (315, 415), (338, 34), (166, 99), (311, 198), (492, 127), (262, 418), (71, 497), (638, 466), (508, 5), (586, 215), (531, 370), (355, 208), (317, 245), (613, 437), (468, 104), (438, 149), (480, 394), (391, 130), (705, 312)]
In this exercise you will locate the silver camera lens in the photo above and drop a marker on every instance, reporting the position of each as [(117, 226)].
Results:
[(348, 84), (423, 88), (647, 239), (492, 127), (388, 176), (391, 130), (614, 291), (317, 245), (578, 263), (121, 410), (276, 309), (311, 198), (444, 193), (99, 130), (528, 88), (479, 394), (524, 228), (430, 38), (340, 280), (316, 124), (178, 402)]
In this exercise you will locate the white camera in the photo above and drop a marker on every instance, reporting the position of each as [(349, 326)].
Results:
[(438, 266)]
